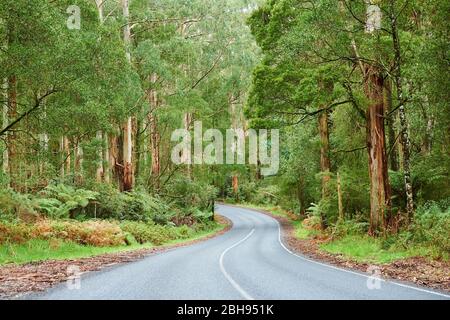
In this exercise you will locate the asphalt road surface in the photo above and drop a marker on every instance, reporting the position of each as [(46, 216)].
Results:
[(248, 262)]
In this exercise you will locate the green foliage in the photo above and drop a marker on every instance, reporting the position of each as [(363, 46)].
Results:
[(135, 206), (432, 226), (41, 250), (350, 228), (366, 249), (143, 233), (62, 201), (187, 193), (14, 205)]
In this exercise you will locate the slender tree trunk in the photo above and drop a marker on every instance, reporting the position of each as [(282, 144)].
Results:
[(155, 137), (12, 136), (106, 159), (128, 177), (127, 150), (115, 160), (62, 157), (235, 183), (67, 155), (427, 142), (325, 164), (340, 202), (406, 143), (187, 121), (393, 150), (380, 192), (43, 144), (100, 170), (137, 147), (259, 176), (4, 124), (78, 167), (301, 196)]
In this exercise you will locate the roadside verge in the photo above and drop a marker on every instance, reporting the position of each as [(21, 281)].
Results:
[(17, 280)]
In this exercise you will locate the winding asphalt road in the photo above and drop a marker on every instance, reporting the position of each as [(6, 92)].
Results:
[(248, 262)]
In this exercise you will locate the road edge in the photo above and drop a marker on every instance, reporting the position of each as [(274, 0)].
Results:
[(287, 238)]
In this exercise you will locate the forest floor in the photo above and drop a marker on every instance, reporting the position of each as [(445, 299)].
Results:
[(420, 270), (17, 280)]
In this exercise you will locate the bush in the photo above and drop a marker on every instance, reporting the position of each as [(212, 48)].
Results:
[(188, 194), (140, 206), (134, 206), (14, 205), (432, 226), (143, 233), (14, 233), (350, 228), (94, 233), (265, 195), (61, 201)]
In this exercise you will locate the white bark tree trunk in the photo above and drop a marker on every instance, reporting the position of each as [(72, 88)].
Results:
[(406, 143), (5, 165), (128, 178), (100, 169)]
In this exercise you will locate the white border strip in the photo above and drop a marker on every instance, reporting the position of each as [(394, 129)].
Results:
[(349, 271), (225, 273)]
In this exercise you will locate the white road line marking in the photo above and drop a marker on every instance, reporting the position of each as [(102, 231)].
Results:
[(225, 273), (352, 272)]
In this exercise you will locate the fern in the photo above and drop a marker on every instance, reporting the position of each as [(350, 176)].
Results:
[(58, 201)]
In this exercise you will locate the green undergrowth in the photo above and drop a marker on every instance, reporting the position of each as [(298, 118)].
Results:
[(41, 249)]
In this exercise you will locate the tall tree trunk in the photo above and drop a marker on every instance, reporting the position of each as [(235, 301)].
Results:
[(78, 167), (5, 165), (325, 163), (100, 170), (128, 177), (235, 182), (155, 137), (380, 192), (127, 150), (390, 121), (43, 144), (427, 142), (106, 159), (301, 196), (406, 143), (62, 158), (340, 202), (67, 155), (12, 136), (187, 121), (115, 160)]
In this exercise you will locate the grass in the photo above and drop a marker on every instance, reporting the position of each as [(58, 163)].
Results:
[(303, 233), (41, 250), (365, 249)]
